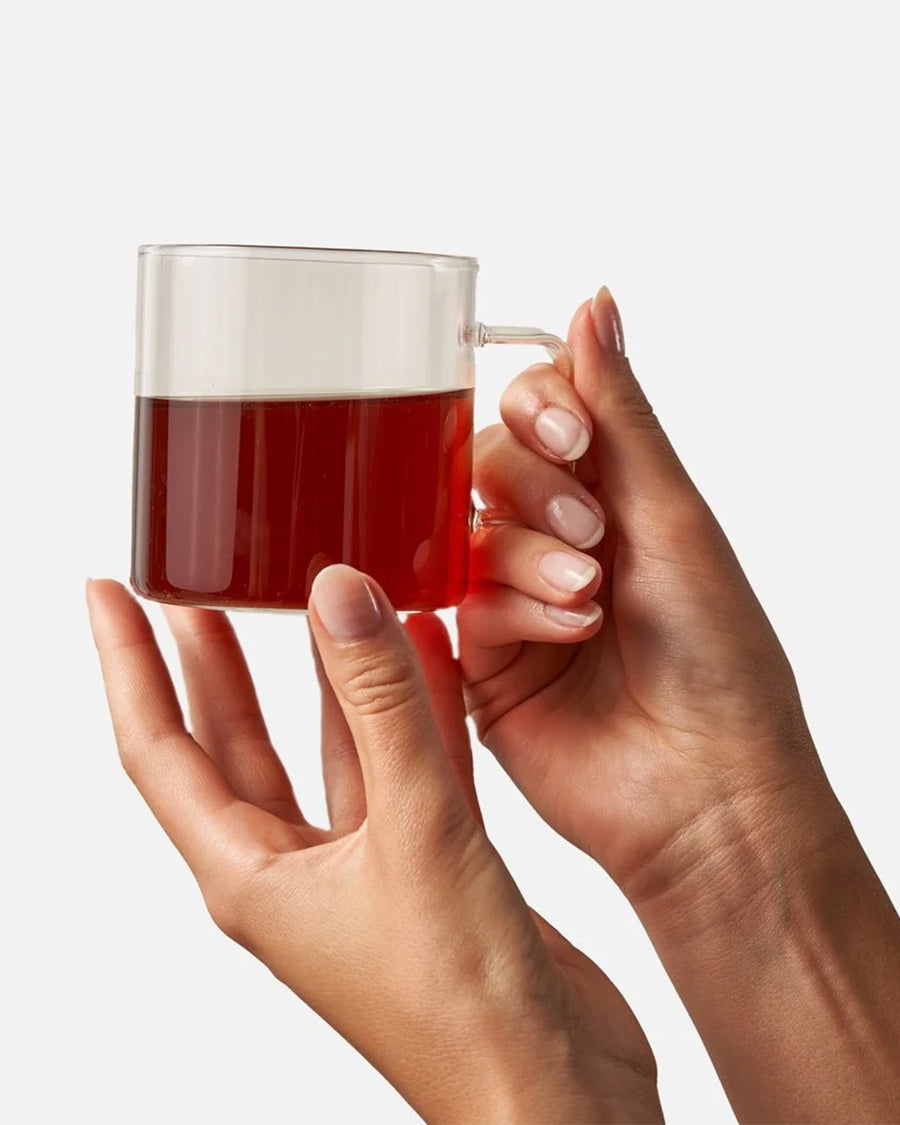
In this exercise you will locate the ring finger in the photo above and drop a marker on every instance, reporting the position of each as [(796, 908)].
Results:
[(534, 564)]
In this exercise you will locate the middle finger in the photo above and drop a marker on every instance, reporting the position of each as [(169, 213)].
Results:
[(225, 713), (544, 497)]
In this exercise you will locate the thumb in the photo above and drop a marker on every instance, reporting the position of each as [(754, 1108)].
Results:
[(377, 679), (644, 485)]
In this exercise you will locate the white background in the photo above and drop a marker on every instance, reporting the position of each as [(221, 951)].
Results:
[(729, 170)]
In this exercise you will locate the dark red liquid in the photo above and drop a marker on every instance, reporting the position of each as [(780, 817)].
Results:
[(242, 502)]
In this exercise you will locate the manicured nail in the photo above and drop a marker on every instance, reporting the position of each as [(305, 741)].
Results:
[(345, 603), (607, 322), (574, 521), (562, 433), (566, 572), (578, 618)]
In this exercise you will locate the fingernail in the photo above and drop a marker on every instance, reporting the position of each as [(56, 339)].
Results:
[(578, 618), (566, 572), (345, 603), (562, 433), (574, 521), (607, 322)]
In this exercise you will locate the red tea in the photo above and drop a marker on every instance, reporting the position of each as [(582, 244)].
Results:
[(242, 502)]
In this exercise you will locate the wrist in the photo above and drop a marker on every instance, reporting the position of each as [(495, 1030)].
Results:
[(535, 1072), (783, 944), (535, 1094), (738, 852)]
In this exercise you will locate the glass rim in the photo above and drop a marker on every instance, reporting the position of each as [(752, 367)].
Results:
[(323, 254)]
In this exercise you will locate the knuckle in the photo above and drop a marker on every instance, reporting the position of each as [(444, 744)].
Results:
[(127, 755), (530, 475), (534, 382), (134, 743), (451, 827), (504, 467), (508, 471), (225, 911), (630, 398), (341, 748), (486, 440), (236, 902), (539, 372), (637, 406), (470, 612), (380, 685), (432, 833)]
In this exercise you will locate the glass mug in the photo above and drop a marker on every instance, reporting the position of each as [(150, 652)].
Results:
[(298, 407)]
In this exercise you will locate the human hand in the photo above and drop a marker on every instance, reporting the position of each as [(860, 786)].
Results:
[(649, 714), (634, 690), (399, 924)]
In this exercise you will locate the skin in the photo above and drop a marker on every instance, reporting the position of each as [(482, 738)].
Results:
[(665, 737), (649, 714), (399, 923)]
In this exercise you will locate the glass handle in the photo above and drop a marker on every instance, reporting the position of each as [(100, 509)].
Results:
[(481, 334)]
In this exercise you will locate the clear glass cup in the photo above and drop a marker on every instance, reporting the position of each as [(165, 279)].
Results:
[(297, 407)]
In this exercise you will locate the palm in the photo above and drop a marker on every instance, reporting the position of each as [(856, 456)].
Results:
[(610, 738), (404, 880), (621, 727)]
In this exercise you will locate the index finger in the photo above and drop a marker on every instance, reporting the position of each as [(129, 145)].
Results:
[(442, 675), (184, 788), (545, 412)]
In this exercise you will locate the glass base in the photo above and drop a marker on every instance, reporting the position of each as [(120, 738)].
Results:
[(300, 611)]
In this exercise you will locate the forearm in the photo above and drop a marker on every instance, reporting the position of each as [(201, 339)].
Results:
[(786, 951)]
